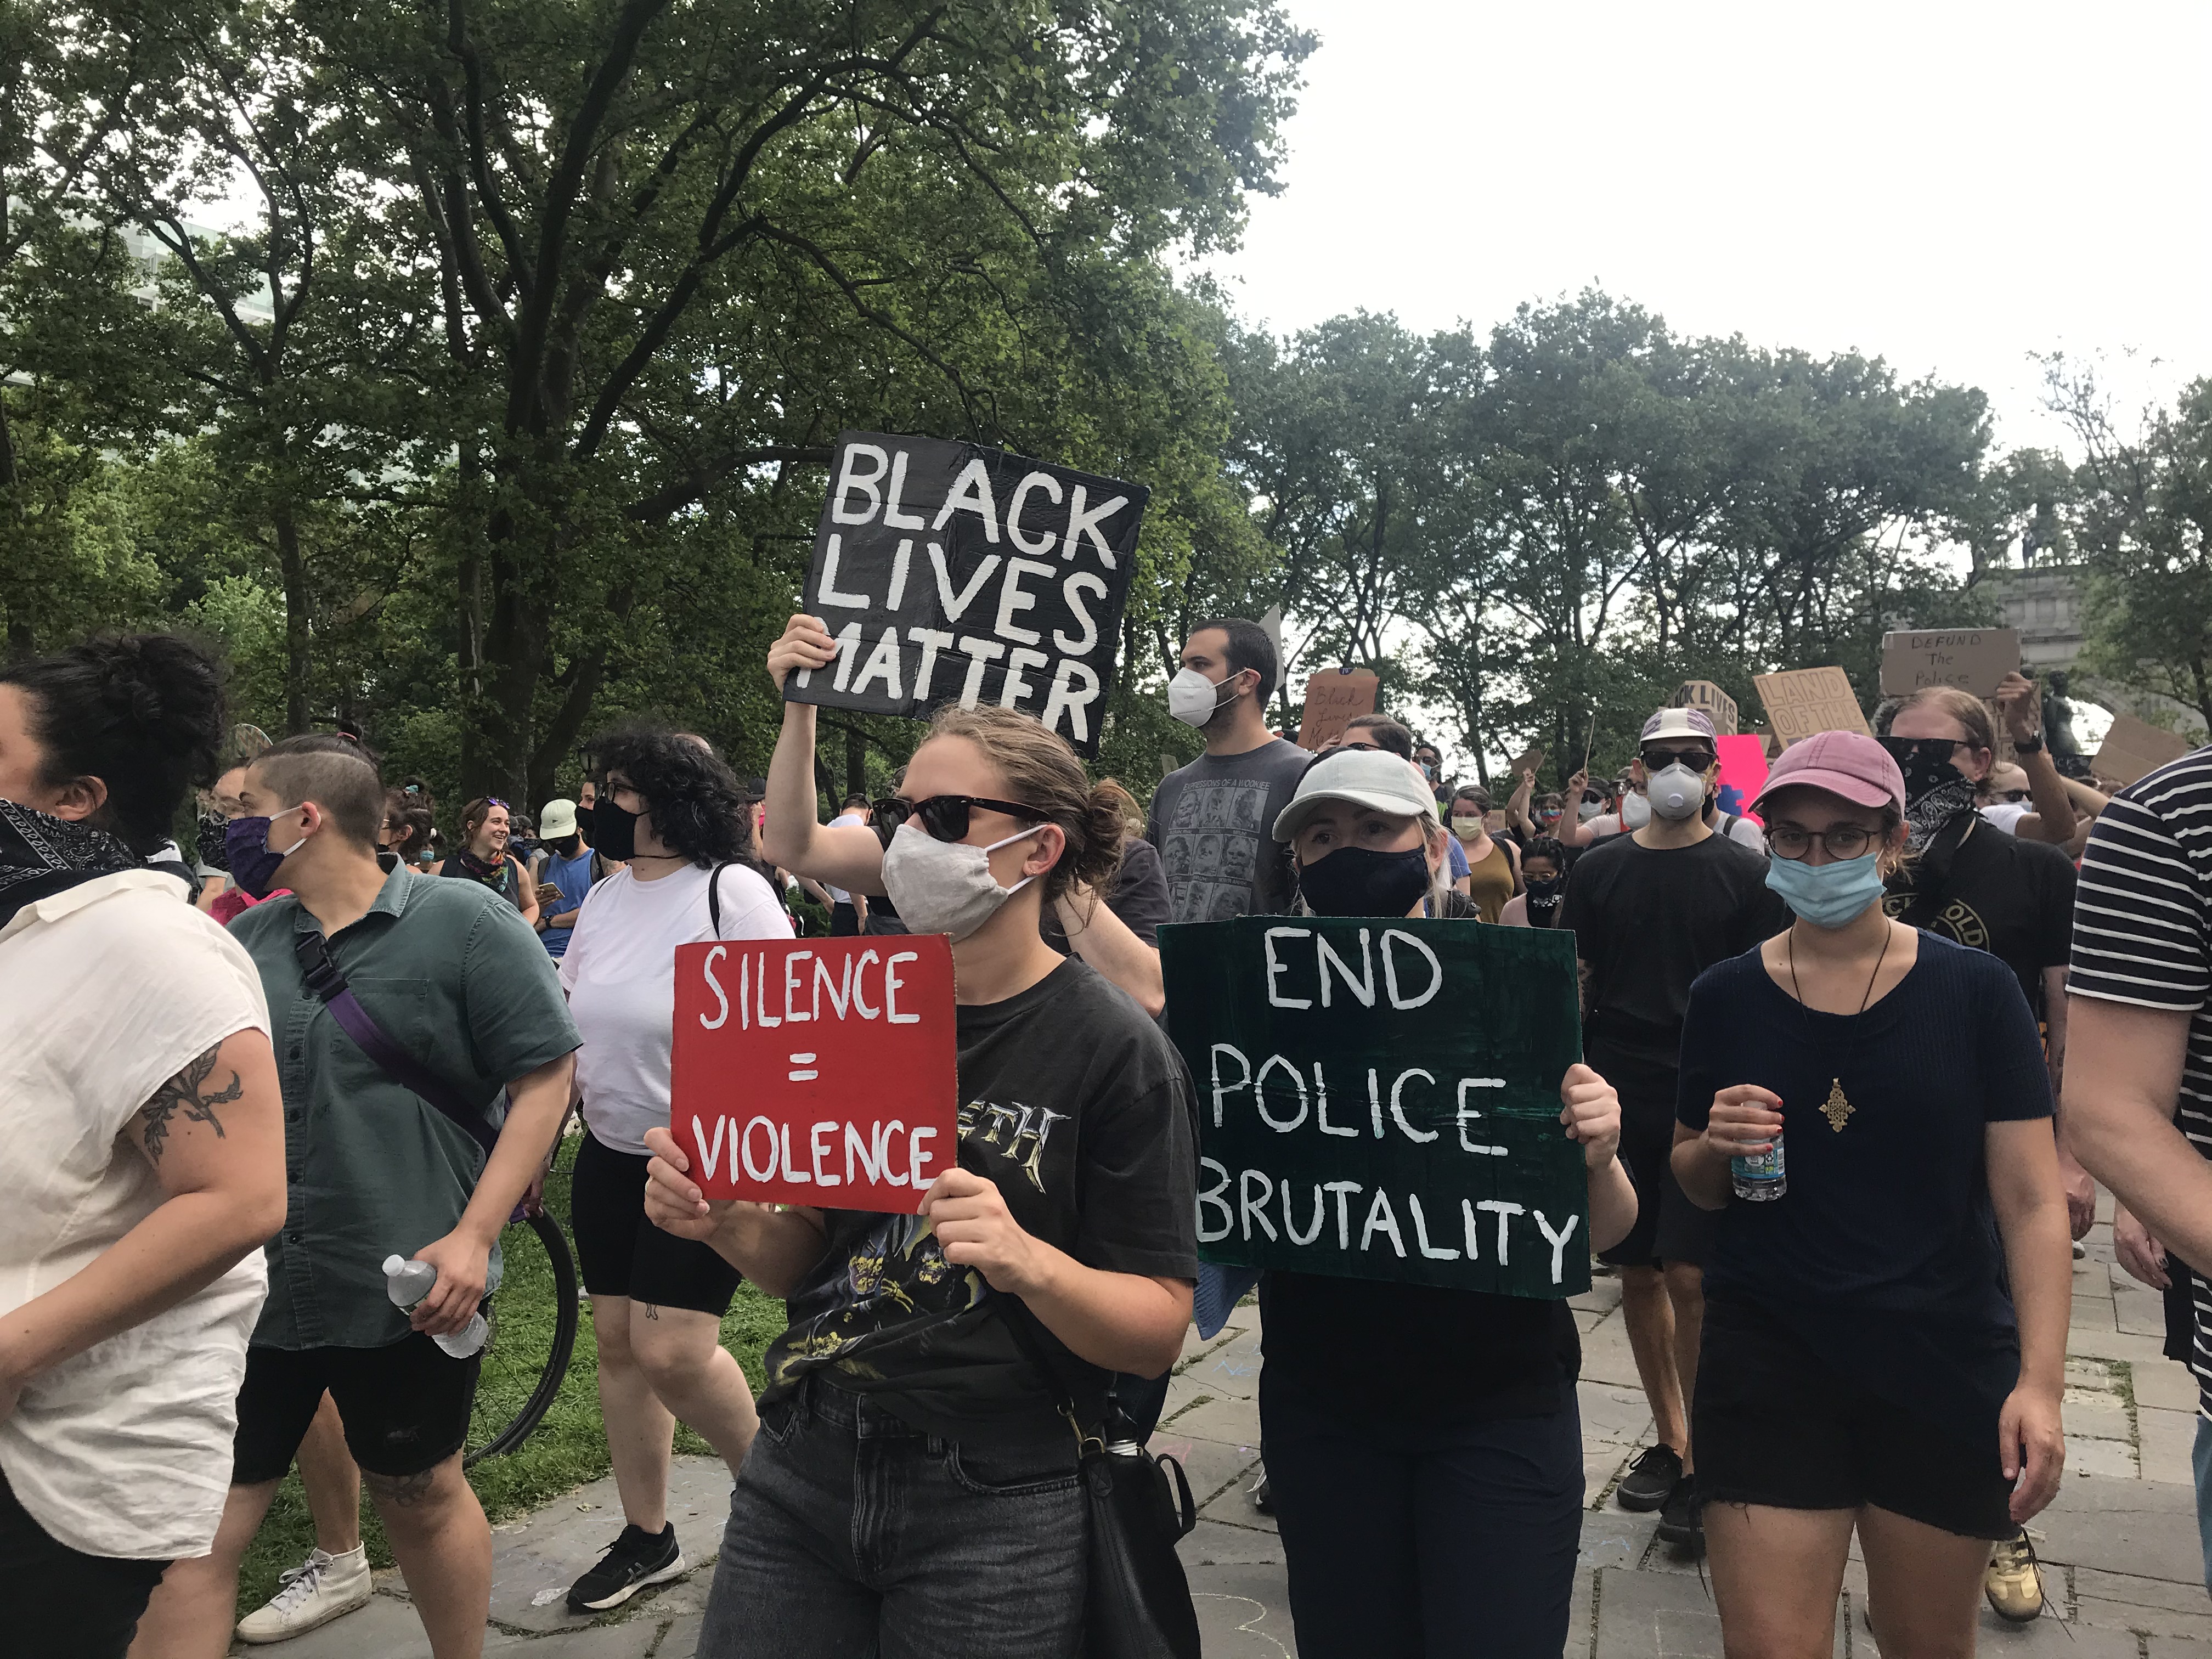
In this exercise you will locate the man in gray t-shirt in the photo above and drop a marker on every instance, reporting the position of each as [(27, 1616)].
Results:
[(1213, 820)]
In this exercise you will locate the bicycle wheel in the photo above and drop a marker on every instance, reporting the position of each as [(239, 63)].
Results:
[(533, 1335)]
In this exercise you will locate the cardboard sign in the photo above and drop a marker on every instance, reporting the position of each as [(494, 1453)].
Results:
[(2133, 748), (951, 573), (1530, 760), (1974, 659), (1380, 1099), (1804, 701), (1743, 774), (1334, 698), (820, 1072), (1719, 707)]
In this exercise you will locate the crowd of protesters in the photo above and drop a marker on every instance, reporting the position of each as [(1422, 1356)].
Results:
[(242, 1080)]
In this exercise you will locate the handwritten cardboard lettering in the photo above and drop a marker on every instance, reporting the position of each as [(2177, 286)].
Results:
[(1802, 701), (1974, 659), (1719, 707), (1334, 698)]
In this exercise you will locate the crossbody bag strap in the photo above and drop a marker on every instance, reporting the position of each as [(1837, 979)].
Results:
[(715, 899), (1022, 1322), (312, 951)]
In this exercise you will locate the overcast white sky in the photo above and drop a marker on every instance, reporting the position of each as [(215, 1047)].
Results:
[(1949, 186)]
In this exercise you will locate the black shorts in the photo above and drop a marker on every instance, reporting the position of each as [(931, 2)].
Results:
[(1668, 1226), (405, 1406), (62, 1603), (623, 1254), (1775, 1425)]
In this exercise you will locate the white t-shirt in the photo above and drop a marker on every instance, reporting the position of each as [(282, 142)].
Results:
[(838, 895), (620, 974), (2006, 814), (113, 986)]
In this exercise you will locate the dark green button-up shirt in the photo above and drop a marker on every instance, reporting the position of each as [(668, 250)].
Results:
[(455, 977)]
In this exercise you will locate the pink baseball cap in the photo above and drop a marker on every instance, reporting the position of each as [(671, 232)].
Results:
[(1847, 763)]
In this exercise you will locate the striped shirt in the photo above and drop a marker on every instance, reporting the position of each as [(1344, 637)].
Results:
[(2142, 935)]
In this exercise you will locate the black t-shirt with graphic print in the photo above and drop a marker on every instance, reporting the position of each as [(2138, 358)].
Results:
[(1978, 887), (1084, 1115)]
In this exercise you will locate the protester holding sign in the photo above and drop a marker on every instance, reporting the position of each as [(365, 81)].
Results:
[(1424, 1444), (1651, 910), (906, 1440), (1864, 1366), (657, 1300)]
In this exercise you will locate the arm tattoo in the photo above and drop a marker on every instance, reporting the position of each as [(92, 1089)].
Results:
[(186, 1092)]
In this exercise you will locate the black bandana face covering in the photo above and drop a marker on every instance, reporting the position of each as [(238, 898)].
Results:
[(42, 855)]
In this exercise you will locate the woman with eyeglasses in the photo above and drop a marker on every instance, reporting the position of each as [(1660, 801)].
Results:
[(486, 829), (1865, 1366), (914, 1489), (676, 817)]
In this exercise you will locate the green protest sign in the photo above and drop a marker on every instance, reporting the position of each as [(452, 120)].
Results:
[(1380, 1099)]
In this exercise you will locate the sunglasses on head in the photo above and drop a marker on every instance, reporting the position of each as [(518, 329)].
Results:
[(1658, 760), (494, 801), (946, 818)]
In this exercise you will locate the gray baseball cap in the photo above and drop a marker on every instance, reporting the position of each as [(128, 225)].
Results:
[(1373, 778)]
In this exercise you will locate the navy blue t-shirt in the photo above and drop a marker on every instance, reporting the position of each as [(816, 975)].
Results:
[(1883, 1255)]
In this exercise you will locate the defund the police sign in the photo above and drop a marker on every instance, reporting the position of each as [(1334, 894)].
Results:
[(1380, 1099), (817, 1072), (951, 573)]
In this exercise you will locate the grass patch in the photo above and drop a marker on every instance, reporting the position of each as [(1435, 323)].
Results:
[(567, 1449)]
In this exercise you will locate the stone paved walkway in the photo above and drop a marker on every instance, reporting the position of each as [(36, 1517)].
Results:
[(2119, 1546)]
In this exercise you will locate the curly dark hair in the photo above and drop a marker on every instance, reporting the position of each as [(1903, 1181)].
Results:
[(697, 806), (1546, 847), (143, 713)]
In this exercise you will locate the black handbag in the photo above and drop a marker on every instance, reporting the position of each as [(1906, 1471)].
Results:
[(1137, 1603)]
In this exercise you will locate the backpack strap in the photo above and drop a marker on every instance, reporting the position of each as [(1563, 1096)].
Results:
[(715, 899), (312, 952)]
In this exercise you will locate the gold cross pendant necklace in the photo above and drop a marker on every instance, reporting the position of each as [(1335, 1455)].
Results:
[(1839, 1107)]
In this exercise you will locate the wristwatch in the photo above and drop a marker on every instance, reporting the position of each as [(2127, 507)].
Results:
[(2030, 744)]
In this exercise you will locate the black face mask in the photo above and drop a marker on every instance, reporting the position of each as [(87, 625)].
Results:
[(1541, 893), (212, 828), (1925, 761), (1358, 881), (386, 859), (565, 845), (614, 831)]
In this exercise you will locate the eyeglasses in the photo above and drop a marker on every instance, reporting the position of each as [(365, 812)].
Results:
[(945, 817), (1658, 760), (1838, 841)]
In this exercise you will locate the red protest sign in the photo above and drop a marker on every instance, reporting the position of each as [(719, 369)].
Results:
[(820, 1072)]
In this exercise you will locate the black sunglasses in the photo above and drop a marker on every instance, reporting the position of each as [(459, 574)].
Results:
[(1658, 760), (945, 817), (1904, 748)]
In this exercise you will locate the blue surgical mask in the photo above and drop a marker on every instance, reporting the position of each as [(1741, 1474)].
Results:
[(1827, 894)]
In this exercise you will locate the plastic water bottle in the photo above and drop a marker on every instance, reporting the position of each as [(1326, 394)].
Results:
[(408, 1282), (1760, 1177)]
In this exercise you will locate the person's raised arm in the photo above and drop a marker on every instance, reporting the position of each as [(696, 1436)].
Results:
[(770, 1244), (1574, 828), (794, 836), (214, 1134), (1516, 805), (2052, 820), (2031, 1214), (1112, 946), (536, 1107)]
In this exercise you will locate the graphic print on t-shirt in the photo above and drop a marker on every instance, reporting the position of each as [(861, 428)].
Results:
[(1210, 846), (896, 1272)]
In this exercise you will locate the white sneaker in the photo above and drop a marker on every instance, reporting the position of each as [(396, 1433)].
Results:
[(326, 1587)]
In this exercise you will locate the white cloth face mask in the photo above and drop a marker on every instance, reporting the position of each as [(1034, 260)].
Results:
[(946, 886), (1193, 698)]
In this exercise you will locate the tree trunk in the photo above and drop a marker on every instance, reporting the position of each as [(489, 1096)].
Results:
[(292, 565), (22, 639)]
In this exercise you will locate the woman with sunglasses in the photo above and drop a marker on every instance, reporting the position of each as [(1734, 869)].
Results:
[(486, 828), (1864, 1366), (914, 1489), (676, 815)]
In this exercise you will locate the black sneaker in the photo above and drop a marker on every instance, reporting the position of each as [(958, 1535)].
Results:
[(1650, 1480), (636, 1559), (1681, 1524)]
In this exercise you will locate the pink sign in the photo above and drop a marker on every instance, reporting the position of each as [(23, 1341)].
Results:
[(1743, 773)]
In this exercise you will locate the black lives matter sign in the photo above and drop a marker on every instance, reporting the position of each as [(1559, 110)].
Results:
[(1380, 1099), (953, 573)]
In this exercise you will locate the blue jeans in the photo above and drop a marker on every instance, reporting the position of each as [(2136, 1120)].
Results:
[(2201, 1459), (1413, 1541), (852, 1535)]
